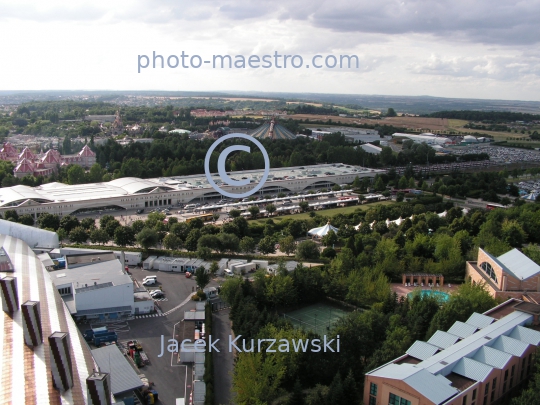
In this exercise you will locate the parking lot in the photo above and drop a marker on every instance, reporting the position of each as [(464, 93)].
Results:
[(171, 379)]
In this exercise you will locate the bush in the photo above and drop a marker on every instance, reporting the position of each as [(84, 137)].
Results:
[(199, 296)]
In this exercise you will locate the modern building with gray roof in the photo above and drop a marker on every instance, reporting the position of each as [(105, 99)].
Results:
[(483, 359), (124, 379), (511, 275), (131, 193)]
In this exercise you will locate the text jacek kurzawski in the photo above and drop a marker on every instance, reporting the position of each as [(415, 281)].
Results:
[(252, 345)]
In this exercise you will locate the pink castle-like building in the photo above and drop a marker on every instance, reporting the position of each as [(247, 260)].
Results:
[(44, 164)]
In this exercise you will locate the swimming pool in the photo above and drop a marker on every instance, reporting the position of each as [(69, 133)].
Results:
[(434, 293)]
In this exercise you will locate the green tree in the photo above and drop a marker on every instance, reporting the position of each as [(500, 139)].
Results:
[(26, 219), (95, 174), (265, 387), (111, 226), (78, 235), (228, 242), (330, 239), (49, 221), (147, 238), (172, 242), (247, 245), (99, 236), (307, 250), (287, 245), (391, 112), (304, 206), (297, 396), (513, 233), (235, 213), (204, 253), (124, 236), (379, 184), (202, 277), (280, 291), (88, 224), (214, 267), (267, 245), (254, 211), (76, 175), (69, 222), (469, 298), (270, 209), (403, 183), (192, 240)]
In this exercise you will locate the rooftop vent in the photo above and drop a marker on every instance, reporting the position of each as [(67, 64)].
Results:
[(444, 363)]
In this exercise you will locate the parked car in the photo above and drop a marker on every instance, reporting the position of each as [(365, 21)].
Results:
[(228, 273), (157, 294), (188, 274), (150, 281)]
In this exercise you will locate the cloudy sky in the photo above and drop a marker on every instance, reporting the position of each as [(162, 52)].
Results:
[(447, 48)]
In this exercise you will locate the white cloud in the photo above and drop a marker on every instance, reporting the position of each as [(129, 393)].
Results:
[(404, 47)]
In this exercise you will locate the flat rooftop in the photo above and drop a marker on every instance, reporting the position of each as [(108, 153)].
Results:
[(59, 192), (99, 274)]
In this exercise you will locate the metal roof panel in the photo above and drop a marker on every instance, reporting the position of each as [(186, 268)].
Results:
[(472, 369), (462, 329), (422, 350), (492, 357), (480, 320), (526, 335), (443, 339)]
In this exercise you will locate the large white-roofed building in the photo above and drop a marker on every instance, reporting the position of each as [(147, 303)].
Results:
[(130, 193), (430, 139), (476, 362)]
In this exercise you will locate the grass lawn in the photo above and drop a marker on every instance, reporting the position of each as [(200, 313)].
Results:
[(329, 212)]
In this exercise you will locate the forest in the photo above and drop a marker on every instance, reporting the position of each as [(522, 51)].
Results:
[(488, 116)]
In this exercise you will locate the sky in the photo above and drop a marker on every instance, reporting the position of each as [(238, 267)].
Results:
[(447, 48)]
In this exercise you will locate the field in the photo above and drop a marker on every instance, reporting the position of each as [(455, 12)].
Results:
[(415, 123), (330, 212), (318, 318), (418, 124)]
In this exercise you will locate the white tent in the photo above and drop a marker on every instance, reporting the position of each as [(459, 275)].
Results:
[(531, 196), (322, 231)]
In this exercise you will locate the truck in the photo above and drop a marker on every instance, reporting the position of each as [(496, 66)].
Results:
[(90, 333), (104, 338)]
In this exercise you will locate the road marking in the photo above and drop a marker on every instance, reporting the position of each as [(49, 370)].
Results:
[(180, 305)]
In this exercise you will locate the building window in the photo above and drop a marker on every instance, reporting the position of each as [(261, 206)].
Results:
[(465, 400), (373, 389), (395, 400), (512, 376), (489, 270), (372, 400), (487, 389), (474, 394), (494, 384)]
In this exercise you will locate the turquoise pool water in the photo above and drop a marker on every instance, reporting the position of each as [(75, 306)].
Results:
[(434, 293)]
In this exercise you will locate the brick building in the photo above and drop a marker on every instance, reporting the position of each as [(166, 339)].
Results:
[(511, 275), (476, 362), (44, 164)]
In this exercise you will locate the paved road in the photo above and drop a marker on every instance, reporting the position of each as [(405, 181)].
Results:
[(223, 361)]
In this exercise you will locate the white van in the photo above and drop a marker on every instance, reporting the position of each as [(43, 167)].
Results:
[(150, 278), (150, 281), (228, 273)]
